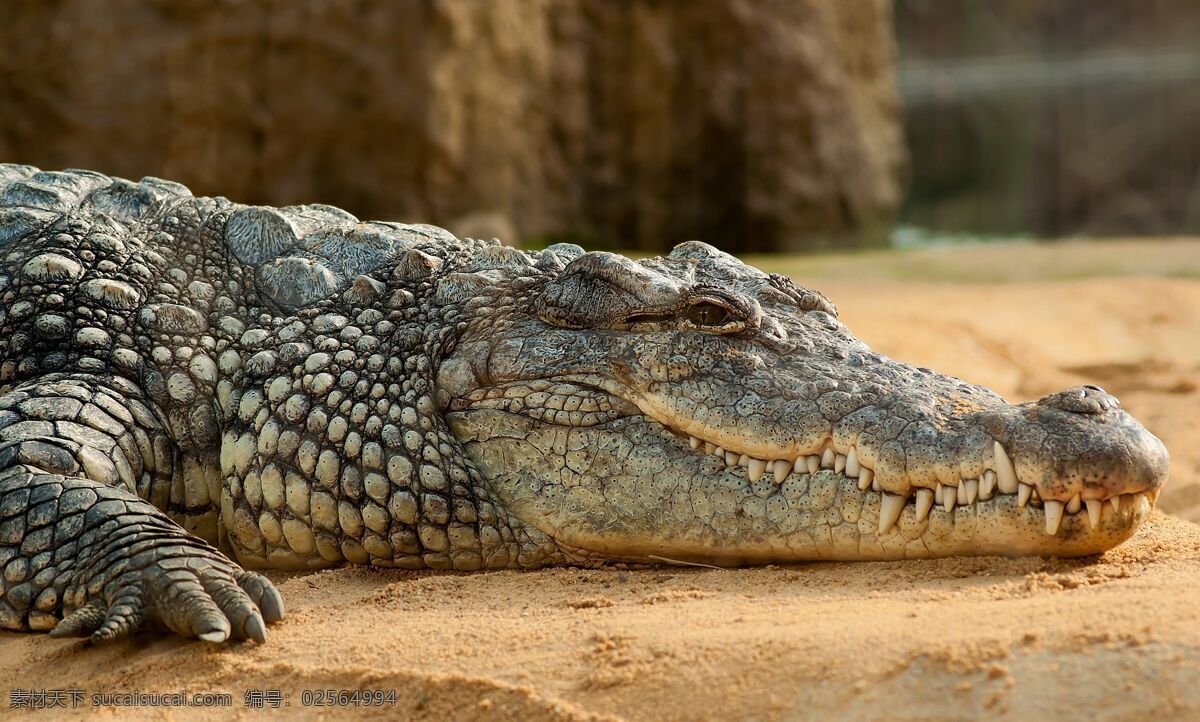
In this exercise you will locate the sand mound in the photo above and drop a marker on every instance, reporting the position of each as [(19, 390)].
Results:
[(1113, 637)]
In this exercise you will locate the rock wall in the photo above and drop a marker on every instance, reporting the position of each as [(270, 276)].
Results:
[(751, 124)]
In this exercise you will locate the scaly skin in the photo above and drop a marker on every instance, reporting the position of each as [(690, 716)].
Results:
[(293, 387)]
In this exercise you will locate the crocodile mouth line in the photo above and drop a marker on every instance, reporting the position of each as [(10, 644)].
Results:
[(995, 483), (578, 402)]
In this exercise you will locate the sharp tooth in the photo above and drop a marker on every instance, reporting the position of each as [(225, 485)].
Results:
[(939, 491), (865, 478), (731, 459), (813, 462), (852, 465), (924, 503), (1141, 502), (1024, 494), (1054, 512), (1006, 475), (972, 490), (781, 468), (718, 451), (987, 484), (889, 511), (1116, 502), (743, 460), (949, 497), (839, 463), (828, 457), (1094, 506), (756, 468), (1074, 505), (695, 443), (710, 447), (960, 494)]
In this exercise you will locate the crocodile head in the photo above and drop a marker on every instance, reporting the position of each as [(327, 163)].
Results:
[(693, 408)]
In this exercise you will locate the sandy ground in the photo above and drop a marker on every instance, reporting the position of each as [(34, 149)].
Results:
[(1116, 637)]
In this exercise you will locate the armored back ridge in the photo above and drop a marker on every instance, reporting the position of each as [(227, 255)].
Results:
[(185, 382)]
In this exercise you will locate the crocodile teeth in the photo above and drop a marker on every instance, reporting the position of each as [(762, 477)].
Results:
[(924, 503), (889, 511), (1142, 504), (972, 486), (1006, 475), (852, 466), (967, 492), (987, 484), (1054, 514)]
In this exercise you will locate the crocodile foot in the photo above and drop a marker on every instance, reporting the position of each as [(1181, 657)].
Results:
[(182, 585)]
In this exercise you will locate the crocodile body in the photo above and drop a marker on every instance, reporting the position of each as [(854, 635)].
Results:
[(191, 388)]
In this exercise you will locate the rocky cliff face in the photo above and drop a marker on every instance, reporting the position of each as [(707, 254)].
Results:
[(751, 124)]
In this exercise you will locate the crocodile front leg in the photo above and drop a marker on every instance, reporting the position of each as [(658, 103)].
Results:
[(97, 557)]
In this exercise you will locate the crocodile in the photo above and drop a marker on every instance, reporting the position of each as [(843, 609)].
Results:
[(192, 389)]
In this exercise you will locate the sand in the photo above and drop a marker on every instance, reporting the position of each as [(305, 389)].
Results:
[(1113, 637)]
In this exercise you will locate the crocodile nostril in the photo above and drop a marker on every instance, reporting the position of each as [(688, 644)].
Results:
[(1089, 399)]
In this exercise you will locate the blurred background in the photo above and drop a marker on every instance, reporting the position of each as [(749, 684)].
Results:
[(908, 158), (755, 125), (1051, 118)]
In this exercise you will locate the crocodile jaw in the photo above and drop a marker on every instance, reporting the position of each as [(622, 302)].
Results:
[(597, 473)]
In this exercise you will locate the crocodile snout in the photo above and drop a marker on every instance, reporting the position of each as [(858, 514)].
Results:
[(1079, 444)]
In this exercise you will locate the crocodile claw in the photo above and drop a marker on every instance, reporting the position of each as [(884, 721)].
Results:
[(82, 622), (263, 593), (204, 597)]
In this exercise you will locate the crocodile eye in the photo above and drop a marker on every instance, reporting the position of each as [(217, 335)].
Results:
[(708, 314)]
